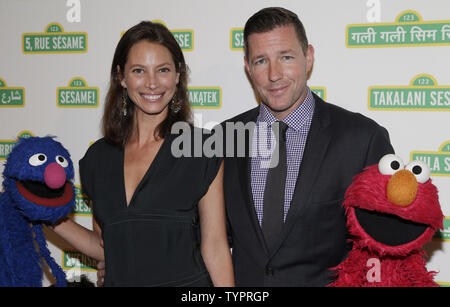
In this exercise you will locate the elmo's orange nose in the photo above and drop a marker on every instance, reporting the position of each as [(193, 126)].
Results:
[(402, 188)]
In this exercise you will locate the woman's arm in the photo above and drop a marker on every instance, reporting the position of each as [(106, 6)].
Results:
[(82, 239), (214, 245)]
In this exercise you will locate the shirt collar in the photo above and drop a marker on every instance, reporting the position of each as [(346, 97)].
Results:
[(296, 119)]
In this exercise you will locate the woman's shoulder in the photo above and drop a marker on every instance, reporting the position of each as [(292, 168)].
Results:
[(100, 149)]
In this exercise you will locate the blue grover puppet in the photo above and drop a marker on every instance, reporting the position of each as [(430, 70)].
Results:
[(37, 189)]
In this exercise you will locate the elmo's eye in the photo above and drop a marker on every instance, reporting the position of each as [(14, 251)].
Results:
[(390, 164), (37, 159), (420, 170), (62, 161)]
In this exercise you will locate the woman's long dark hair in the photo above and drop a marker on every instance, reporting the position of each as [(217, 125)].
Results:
[(116, 127)]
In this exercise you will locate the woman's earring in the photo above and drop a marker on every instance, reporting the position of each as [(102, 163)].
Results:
[(124, 102), (175, 105)]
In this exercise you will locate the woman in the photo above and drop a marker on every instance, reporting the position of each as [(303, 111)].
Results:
[(150, 207)]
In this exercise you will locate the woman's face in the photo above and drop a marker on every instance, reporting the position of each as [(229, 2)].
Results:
[(150, 78)]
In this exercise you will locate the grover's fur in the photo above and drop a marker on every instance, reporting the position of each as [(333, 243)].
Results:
[(22, 213)]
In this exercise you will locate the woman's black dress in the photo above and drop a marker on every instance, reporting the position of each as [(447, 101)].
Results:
[(155, 241)]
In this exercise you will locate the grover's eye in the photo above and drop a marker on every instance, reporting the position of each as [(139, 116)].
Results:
[(37, 159), (62, 161), (420, 170), (390, 164)]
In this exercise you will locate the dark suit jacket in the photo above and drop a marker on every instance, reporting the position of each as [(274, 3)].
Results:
[(314, 237)]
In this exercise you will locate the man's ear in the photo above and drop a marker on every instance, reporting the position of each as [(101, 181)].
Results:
[(309, 58), (247, 66)]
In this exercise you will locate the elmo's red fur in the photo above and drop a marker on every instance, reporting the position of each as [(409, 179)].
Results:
[(375, 264)]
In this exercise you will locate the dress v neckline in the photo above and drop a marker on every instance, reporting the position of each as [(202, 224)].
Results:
[(149, 171)]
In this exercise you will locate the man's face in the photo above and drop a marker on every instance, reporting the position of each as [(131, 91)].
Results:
[(278, 69)]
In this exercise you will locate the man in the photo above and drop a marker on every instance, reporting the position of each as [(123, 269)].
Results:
[(292, 239)]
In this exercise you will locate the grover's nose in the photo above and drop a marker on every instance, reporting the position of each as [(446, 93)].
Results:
[(54, 176)]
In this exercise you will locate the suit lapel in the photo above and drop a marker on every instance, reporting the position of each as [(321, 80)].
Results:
[(315, 150), (244, 169)]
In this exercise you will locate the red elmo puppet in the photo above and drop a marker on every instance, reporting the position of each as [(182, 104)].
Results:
[(392, 211)]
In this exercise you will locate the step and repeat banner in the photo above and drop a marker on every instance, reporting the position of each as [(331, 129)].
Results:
[(388, 60)]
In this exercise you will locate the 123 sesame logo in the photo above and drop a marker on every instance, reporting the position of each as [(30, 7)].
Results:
[(205, 97), (423, 94), (76, 260), (408, 30), (77, 94), (237, 39), (438, 161), (81, 203), (11, 96), (444, 234), (7, 145), (319, 91), (184, 38), (54, 40)]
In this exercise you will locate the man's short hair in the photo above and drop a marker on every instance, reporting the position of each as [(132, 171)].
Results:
[(270, 18)]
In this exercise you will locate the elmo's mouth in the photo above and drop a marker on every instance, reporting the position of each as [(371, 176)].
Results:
[(40, 194), (389, 229)]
